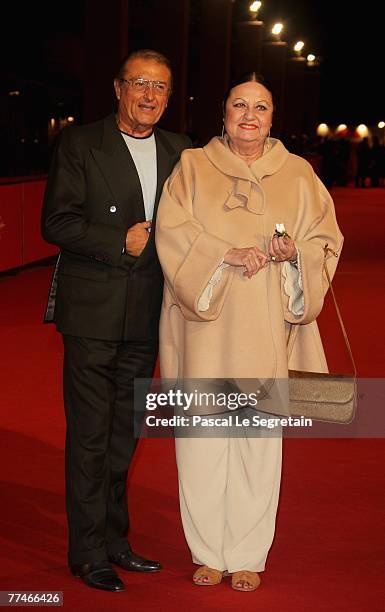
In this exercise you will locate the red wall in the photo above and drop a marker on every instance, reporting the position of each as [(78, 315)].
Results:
[(20, 209)]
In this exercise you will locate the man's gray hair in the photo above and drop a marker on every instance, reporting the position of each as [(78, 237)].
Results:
[(146, 54)]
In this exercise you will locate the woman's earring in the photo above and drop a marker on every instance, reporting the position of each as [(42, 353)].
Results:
[(268, 141), (223, 130)]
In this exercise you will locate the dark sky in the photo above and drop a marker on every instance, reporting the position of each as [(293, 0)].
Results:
[(349, 40)]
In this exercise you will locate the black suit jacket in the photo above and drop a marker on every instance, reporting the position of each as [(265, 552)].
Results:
[(93, 196)]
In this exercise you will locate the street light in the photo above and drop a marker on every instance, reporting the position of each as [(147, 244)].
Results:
[(298, 47), (312, 60), (362, 130), (277, 30), (341, 127), (323, 129), (381, 126), (254, 8)]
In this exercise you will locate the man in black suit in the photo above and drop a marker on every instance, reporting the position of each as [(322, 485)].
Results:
[(100, 205)]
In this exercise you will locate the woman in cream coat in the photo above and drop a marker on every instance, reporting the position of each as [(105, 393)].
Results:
[(240, 302)]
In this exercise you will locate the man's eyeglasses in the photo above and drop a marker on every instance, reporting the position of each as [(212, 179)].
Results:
[(140, 85)]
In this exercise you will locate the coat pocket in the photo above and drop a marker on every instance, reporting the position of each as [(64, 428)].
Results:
[(87, 272)]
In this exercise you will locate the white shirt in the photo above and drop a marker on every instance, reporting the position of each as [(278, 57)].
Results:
[(143, 152)]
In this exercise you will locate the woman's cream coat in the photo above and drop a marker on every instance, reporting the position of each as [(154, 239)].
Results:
[(212, 202)]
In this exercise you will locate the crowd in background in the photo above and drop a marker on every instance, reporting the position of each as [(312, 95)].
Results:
[(343, 162), (338, 161)]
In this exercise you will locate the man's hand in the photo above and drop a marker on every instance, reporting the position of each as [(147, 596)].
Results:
[(251, 257), (282, 249), (137, 237)]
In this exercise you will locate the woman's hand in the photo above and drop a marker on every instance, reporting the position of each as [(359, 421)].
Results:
[(282, 249), (251, 257)]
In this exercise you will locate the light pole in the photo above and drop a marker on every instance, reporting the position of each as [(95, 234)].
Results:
[(311, 59), (298, 47), (277, 30), (381, 126), (254, 8), (247, 43)]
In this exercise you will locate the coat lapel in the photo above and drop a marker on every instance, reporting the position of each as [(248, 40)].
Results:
[(166, 157), (119, 171)]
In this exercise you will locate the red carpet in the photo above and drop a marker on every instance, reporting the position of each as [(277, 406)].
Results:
[(329, 548)]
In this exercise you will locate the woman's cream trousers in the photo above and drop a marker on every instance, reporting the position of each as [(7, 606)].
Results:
[(229, 490)]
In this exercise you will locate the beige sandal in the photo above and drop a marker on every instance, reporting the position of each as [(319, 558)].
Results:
[(245, 581), (207, 576)]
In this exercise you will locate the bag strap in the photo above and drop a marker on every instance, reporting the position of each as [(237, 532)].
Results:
[(345, 335)]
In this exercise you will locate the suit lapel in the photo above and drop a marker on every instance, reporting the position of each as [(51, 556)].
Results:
[(166, 157), (119, 171)]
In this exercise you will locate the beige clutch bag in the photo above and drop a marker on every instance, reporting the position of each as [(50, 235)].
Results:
[(325, 397)]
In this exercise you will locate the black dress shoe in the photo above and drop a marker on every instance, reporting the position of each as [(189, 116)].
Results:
[(98, 575), (131, 562)]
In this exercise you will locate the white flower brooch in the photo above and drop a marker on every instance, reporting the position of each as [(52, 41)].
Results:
[(280, 230)]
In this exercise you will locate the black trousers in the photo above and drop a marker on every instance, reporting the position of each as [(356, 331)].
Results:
[(98, 387)]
